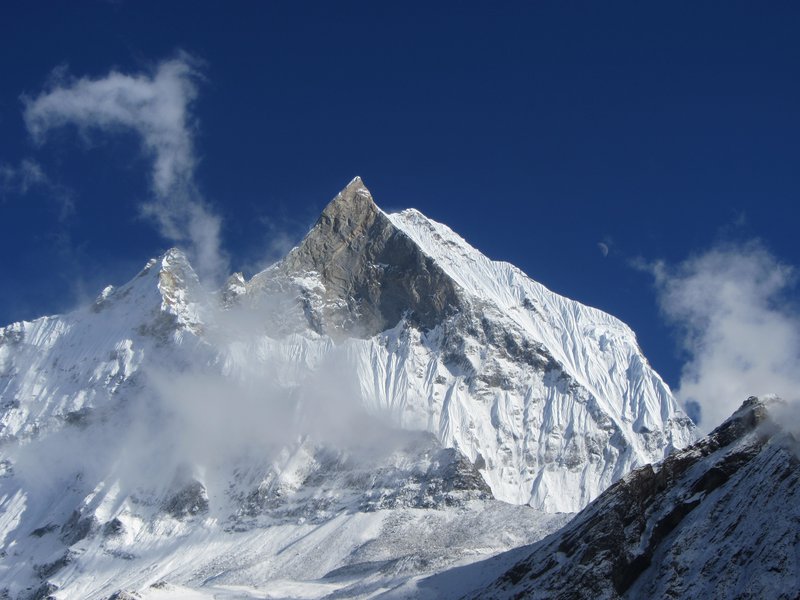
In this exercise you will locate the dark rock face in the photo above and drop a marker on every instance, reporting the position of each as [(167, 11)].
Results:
[(44, 530), (78, 527), (449, 480), (483, 325), (113, 528), (44, 592), (49, 569), (716, 520), (189, 501), (122, 595), (415, 473), (372, 272)]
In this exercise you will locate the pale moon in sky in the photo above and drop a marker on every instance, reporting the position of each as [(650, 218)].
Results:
[(603, 248)]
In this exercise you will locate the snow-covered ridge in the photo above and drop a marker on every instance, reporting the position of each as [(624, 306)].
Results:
[(54, 367), (596, 351), (580, 337)]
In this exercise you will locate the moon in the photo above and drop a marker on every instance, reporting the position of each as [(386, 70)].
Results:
[(603, 248)]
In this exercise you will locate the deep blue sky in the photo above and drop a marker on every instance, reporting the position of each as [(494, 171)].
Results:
[(534, 129)]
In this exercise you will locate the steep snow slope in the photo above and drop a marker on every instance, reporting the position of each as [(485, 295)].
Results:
[(716, 520), (592, 412)]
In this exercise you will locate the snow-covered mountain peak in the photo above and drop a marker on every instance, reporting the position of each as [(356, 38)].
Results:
[(167, 285), (546, 392), (551, 398), (234, 286), (503, 282)]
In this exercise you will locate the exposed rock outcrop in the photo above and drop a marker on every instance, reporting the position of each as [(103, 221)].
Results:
[(369, 274)]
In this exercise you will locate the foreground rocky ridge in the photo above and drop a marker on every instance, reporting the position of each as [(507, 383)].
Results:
[(716, 520)]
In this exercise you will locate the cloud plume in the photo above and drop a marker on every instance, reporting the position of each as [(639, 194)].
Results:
[(736, 321), (157, 106)]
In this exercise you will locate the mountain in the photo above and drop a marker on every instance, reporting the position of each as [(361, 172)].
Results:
[(718, 519), (293, 426), (554, 400)]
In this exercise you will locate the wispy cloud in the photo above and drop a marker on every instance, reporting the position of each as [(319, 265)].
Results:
[(738, 325), (158, 107), (27, 176)]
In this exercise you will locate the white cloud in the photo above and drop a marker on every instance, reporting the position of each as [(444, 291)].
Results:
[(22, 178), (29, 175), (157, 106), (736, 322)]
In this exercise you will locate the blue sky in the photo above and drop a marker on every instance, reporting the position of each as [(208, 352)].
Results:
[(536, 130)]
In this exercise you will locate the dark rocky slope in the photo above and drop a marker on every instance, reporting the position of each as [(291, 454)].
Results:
[(720, 519)]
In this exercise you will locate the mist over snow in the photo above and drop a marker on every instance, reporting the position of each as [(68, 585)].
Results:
[(230, 400), (29, 175), (21, 178), (157, 106), (738, 323)]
